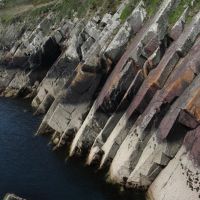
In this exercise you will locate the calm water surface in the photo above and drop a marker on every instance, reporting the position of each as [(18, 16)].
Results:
[(30, 169)]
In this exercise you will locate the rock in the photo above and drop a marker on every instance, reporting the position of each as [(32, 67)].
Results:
[(101, 118), (137, 17), (152, 61), (96, 151), (116, 86), (131, 26), (182, 172), (148, 108), (149, 120), (65, 28), (74, 43), (39, 63), (58, 37), (12, 197), (59, 74), (187, 102), (178, 27), (34, 50), (89, 68), (151, 47), (96, 19), (45, 25), (155, 80), (106, 19), (92, 30), (86, 46), (70, 112), (153, 159)]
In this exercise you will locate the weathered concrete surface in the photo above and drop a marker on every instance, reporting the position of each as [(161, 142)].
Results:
[(188, 102), (62, 70), (95, 152), (131, 27), (149, 100), (155, 80), (179, 80), (151, 161), (182, 172), (61, 74), (26, 78), (119, 80), (35, 51), (72, 109), (154, 158), (92, 60), (11, 62)]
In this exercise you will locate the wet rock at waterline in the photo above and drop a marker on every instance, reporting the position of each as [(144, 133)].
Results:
[(12, 197)]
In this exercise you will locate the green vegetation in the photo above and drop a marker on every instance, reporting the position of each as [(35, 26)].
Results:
[(84, 8), (12, 11), (61, 8), (180, 9), (128, 9), (11, 3), (152, 6)]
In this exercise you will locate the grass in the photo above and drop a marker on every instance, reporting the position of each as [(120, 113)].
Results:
[(178, 11), (128, 10), (153, 5), (12, 3), (173, 18), (63, 8), (84, 8), (22, 9)]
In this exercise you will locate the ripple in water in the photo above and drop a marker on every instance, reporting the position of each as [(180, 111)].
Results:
[(30, 169)]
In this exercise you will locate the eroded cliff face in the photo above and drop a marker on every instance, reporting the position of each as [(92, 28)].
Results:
[(124, 95)]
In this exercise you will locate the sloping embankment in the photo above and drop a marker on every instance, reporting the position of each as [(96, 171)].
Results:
[(123, 93)]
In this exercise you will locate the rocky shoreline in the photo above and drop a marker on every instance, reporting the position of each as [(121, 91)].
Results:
[(124, 95), (12, 197)]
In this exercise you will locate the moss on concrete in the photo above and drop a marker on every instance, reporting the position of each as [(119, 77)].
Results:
[(152, 6)]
